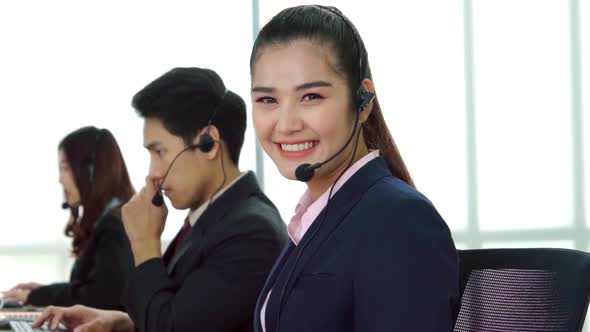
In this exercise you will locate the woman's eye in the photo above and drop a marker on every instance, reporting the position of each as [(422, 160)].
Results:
[(312, 96), (266, 100)]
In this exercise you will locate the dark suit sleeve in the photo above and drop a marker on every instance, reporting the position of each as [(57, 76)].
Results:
[(46, 295), (215, 296), (407, 271), (101, 286)]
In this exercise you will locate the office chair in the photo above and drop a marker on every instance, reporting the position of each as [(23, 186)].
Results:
[(523, 290)]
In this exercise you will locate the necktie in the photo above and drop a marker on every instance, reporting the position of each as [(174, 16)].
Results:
[(183, 233)]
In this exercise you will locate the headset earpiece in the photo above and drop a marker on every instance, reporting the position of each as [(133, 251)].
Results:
[(206, 142), (363, 98), (92, 157)]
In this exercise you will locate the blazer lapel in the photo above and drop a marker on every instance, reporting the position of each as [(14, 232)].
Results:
[(270, 281), (169, 252), (243, 188), (337, 209), (192, 241)]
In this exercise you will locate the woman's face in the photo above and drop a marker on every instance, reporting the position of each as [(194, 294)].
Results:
[(301, 106), (66, 179)]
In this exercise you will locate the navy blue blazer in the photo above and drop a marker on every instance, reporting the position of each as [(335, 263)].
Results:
[(382, 260)]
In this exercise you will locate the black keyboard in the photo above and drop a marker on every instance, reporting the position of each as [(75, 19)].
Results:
[(26, 326)]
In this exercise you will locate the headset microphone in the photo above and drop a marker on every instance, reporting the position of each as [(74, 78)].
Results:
[(65, 205), (305, 172), (158, 199)]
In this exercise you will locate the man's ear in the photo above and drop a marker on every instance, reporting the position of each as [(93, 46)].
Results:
[(213, 133)]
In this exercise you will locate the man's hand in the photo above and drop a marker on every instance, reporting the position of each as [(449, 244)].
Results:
[(144, 223)]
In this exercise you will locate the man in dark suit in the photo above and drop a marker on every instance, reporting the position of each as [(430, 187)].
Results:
[(211, 274)]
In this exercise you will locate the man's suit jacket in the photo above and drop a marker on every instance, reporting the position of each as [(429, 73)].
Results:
[(382, 260), (213, 280), (99, 274)]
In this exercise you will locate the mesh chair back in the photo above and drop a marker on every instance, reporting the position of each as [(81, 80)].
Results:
[(523, 290)]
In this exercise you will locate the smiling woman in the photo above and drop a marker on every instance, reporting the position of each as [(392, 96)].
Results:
[(317, 117)]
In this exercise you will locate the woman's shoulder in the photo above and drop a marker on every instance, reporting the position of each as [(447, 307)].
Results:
[(399, 220), (393, 204), (393, 190), (108, 231), (111, 220)]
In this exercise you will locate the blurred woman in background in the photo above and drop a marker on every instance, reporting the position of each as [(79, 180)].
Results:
[(95, 184)]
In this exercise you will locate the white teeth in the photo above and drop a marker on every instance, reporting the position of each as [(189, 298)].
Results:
[(297, 147)]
